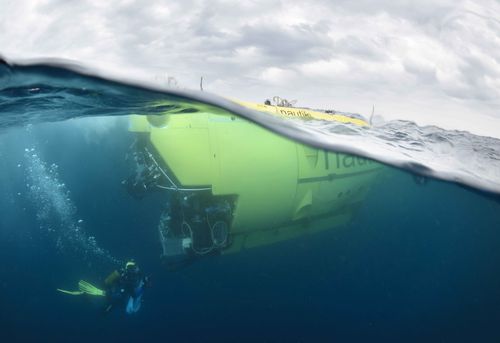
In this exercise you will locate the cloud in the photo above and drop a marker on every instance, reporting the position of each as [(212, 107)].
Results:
[(403, 56)]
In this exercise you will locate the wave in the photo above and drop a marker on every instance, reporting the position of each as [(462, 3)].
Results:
[(54, 90)]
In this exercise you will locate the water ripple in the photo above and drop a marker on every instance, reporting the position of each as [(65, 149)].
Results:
[(44, 91)]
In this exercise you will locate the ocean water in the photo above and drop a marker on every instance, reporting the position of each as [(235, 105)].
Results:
[(418, 261)]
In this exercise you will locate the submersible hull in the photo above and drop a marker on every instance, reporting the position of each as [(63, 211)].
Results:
[(278, 188)]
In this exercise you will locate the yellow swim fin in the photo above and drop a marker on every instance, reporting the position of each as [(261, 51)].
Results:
[(70, 292), (87, 288)]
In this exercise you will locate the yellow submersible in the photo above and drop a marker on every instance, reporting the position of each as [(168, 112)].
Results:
[(234, 185)]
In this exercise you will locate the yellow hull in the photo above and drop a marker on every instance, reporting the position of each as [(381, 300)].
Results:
[(282, 188)]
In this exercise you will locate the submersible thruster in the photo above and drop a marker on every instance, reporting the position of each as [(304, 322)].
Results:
[(231, 184)]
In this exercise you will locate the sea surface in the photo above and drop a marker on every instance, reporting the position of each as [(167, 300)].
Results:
[(418, 262)]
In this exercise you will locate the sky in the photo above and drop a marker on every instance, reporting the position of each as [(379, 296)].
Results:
[(433, 62)]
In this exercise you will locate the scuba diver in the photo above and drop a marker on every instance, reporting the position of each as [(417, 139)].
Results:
[(126, 285), (121, 287)]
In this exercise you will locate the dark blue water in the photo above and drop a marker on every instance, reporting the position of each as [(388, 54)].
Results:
[(417, 263)]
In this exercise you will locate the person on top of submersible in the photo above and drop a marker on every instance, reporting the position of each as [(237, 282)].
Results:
[(125, 286)]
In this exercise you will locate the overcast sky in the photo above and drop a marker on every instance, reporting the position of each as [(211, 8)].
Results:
[(431, 61)]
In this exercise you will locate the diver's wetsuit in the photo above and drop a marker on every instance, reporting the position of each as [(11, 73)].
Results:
[(125, 286)]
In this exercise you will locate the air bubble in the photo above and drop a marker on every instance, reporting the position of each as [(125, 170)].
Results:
[(53, 204)]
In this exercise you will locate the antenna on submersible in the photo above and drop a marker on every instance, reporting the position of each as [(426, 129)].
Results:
[(373, 112)]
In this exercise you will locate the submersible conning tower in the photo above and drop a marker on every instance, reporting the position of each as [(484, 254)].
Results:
[(233, 184)]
